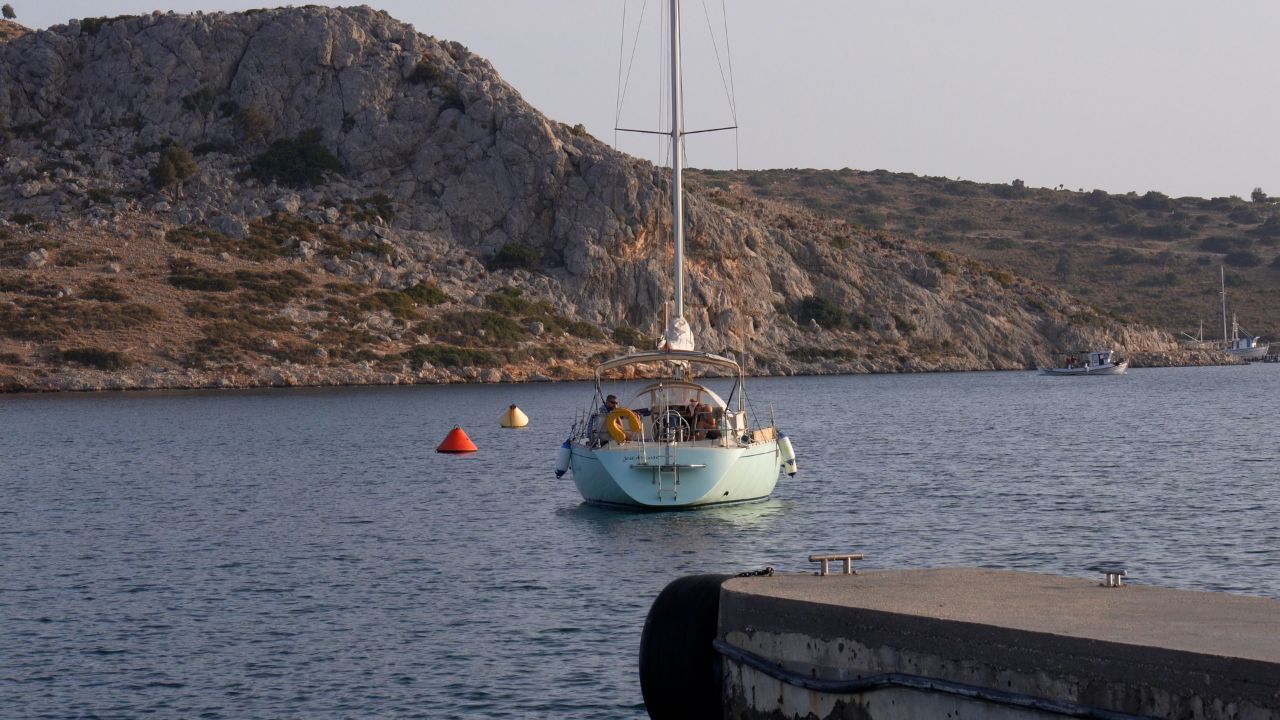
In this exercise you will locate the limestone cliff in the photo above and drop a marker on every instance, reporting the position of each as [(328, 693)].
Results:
[(371, 204)]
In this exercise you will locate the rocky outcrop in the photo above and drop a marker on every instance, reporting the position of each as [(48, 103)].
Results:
[(440, 166)]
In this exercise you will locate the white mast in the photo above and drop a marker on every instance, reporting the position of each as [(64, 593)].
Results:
[(677, 158), (1223, 273), (678, 336)]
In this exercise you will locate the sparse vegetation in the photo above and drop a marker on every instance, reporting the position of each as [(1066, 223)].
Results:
[(43, 319), (378, 207), (426, 294), (174, 167), (1242, 259), (302, 161), (817, 354), (903, 325), (252, 124), (201, 101), (514, 256), (425, 73), (626, 335), (821, 310), (186, 275), (470, 328), (96, 358), (1002, 277), (91, 26), (447, 356)]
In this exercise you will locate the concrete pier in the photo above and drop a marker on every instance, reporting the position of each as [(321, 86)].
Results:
[(972, 643)]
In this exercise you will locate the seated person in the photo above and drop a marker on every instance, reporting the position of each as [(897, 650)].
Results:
[(704, 424), (596, 427)]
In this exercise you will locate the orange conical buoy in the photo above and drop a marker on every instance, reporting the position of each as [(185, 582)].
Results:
[(456, 442)]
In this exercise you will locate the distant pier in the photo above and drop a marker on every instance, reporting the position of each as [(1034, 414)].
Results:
[(976, 643)]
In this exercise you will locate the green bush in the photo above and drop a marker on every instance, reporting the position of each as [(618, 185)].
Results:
[(202, 281), (445, 356), (452, 100), (825, 312), (96, 357), (425, 73), (103, 291), (1125, 256), (1039, 304), (508, 300), (100, 195), (1003, 277), (396, 303), (626, 335), (1244, 216), (271, 287), (260, 245), (379, 206), (296, 162), (1168, 231), (200, 101), (817, 354), (91, 26), (174, 167), (1242, 258), (253, 124), (1166, 280), (498, 329), (583, 329), (514, 256), (1270, 228), (426, 294), (1153, 200), (1217, 244)]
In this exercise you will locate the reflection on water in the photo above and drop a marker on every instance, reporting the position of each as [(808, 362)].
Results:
[(306, 553)]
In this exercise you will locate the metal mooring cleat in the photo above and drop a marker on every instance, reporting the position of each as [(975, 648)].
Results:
[(1113, 578), (825, 560)]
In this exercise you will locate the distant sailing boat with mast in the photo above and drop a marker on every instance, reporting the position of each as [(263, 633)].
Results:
[(1239, 343), (677, 443)]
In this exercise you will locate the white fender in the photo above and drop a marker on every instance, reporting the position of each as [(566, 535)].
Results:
[(562, 459), (788, 454)]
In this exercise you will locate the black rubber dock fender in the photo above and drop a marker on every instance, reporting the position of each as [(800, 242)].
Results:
[(679, 666)]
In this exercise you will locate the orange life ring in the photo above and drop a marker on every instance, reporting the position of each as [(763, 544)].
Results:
[(613, 423)]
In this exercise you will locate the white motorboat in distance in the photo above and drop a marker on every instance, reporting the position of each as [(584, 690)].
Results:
[(1092, 362)]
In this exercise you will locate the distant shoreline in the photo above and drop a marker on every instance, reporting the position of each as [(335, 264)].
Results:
[(88, 380)]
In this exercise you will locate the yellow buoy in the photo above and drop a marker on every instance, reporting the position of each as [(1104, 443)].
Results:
[(513, 417)]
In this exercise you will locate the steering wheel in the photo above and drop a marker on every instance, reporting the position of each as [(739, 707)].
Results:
[(672, 427)]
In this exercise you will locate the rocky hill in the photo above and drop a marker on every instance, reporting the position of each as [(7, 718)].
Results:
[(322, 196), (1148, 257)]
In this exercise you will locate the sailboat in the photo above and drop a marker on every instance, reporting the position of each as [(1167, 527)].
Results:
[(676, 443), (1239, 343)]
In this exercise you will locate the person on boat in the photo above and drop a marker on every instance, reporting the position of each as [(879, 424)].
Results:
[(596, 427), (704, 424)]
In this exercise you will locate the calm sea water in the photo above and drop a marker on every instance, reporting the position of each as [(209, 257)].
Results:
[(306, 553)]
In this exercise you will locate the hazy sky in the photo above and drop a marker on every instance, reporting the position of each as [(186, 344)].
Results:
[(1168, 95)]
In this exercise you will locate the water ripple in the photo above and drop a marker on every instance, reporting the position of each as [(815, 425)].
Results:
[(305, 553)]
